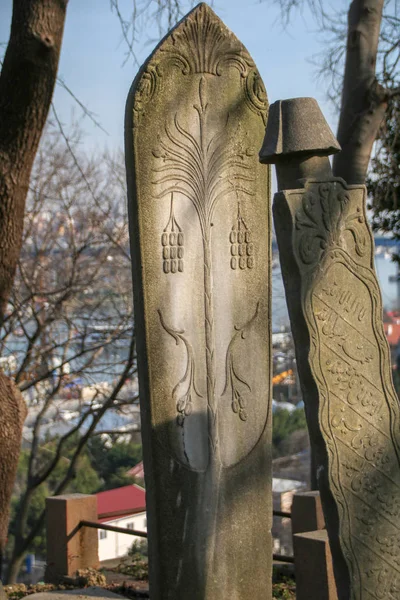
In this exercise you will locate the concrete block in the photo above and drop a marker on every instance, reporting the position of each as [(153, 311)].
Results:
[(307, 512), (69, 547), (313, 566)]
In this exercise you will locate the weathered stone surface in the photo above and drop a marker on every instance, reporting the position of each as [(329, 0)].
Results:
[(200, 235), (313, 565), (307, 514), (327, 258)]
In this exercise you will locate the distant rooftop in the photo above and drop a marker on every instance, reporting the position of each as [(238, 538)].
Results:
[(123, 501), (392, 331), (137, 471)]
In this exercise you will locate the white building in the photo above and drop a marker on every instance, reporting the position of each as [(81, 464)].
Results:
[(122, 507)]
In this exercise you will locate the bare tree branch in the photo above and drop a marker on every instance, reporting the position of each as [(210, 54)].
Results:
[(73, 278)]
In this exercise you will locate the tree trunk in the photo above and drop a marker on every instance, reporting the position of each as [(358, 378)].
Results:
[(12, 417), (21, 543), (26, 87), (14, 569), (364, 100)]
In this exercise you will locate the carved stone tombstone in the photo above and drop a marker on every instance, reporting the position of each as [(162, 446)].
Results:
[(327, 257), (200, 236)]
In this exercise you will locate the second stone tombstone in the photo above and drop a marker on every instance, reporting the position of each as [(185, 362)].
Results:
[(200, 237), (353, 414)]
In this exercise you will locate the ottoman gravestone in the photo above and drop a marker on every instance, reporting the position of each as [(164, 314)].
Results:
[(327, 257), (200, 238)]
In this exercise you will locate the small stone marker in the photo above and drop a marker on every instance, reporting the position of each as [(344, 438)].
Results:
[(200, 238), (313, 566), (327, 257), (70, 547), (307, 512)]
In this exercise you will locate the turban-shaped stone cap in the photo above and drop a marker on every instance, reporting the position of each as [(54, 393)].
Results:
[(297, 127)]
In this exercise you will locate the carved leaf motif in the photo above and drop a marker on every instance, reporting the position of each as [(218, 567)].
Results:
[(237, 384), (185, 391), (197, 165), (145, 91), (202, 44), (323, 220), (256, 95)]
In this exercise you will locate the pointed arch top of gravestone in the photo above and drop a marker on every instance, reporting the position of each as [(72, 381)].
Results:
[(199, 43)]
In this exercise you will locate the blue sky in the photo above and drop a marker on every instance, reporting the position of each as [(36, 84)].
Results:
[(93, 54)]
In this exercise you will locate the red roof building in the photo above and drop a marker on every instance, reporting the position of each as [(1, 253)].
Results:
[(137, 471), (120, 502), (392, 331)]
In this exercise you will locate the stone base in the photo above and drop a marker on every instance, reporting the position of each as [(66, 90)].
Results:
[(313, 566)]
